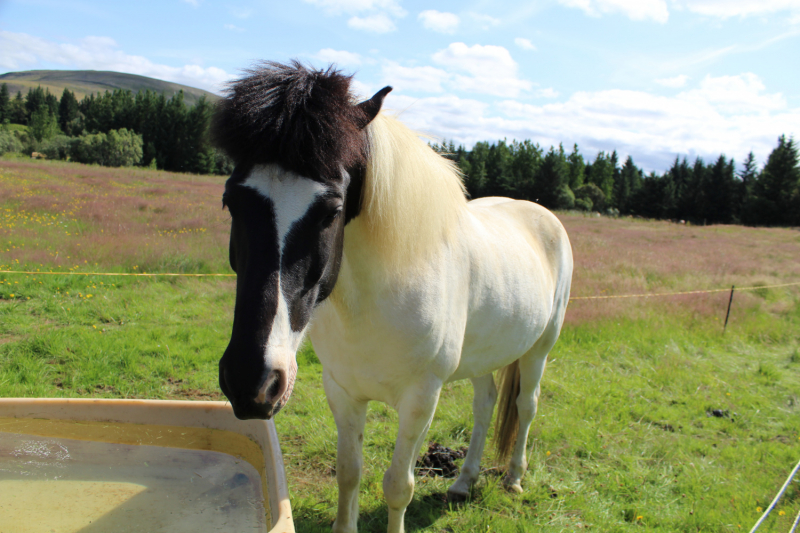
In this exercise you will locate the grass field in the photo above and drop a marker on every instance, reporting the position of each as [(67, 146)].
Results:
[(626, 437)]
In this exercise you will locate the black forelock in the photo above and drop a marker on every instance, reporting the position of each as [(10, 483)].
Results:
[(303, 119)]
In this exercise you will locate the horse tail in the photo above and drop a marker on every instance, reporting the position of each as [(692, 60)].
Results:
[(507, 422)]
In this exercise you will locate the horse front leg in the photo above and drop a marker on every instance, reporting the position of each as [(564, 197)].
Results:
[(350, 416), (415, 410)]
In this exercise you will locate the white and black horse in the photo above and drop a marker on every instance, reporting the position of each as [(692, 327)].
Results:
[(348, 228)]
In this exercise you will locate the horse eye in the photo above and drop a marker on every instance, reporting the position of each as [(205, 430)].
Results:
[(328, 220)]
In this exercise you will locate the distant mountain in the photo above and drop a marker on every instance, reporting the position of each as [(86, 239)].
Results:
[(85, 82)]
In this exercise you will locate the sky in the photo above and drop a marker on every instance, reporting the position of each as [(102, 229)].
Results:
[(653, 79)]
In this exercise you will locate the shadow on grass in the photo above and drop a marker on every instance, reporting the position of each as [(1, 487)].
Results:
[(421, 513)]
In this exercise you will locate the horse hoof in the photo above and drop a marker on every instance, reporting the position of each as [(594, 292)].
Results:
[(514, 487), (456, 497)]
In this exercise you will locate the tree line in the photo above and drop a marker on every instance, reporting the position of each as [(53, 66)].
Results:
[(698, 192), (169, 134), (121, 128)]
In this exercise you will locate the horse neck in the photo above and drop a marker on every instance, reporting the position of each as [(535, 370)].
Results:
[(366, 275), (413, 203)]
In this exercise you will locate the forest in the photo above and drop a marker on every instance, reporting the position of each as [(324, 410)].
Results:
[(119, 128), (115, 128)]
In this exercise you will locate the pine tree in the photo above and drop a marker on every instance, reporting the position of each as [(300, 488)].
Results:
[(34, 99), (43, 124), (602, 175), (551, 187), (719, 191), (525, 163), (5, 103), (498, 171), (628, 183), (475, 179), (17, 113), (747, 177), (576, 168), (775, 189), (68, 113), (655, 198)]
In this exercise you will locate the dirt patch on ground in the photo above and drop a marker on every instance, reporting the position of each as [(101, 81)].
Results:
[(180, 392), (197, 394), (5, 339), (440, 461)]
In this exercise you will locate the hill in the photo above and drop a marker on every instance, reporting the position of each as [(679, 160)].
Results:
[(85, 82)]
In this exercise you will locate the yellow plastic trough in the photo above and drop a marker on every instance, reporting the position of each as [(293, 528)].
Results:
[(86, 465)]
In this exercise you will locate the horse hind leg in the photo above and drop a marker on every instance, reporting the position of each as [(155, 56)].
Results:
[(482, 407), (526, 379)]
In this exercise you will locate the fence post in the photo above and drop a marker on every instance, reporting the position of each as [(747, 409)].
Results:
[(728, 314)]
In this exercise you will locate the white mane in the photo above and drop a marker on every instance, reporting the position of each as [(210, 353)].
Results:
[(412, 196)]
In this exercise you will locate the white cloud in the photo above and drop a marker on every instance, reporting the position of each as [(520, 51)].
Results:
[(485, 21), (461, 119), (233, 27), (739, 8), (22, 51), (337, 7), (339, 57), (548, 92), (362, 90), (674, 82), (490, 69), (377, 13), (727, 114), (737, 95), (438, 21), (525, 44), (415, 79), (657, 9), (634, 9), (478, 60), (241, 12), (379, 23)]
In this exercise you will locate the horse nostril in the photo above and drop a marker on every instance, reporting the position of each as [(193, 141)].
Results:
[(272, 388)]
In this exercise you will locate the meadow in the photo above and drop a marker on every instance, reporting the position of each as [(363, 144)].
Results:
[(650, 417)]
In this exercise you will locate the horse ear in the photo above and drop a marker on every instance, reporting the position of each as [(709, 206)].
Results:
[(372, 107)]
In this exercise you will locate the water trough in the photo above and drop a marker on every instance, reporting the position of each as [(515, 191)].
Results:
[(98, 465)]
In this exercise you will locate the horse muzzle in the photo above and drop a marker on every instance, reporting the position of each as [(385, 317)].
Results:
[(272, 393)]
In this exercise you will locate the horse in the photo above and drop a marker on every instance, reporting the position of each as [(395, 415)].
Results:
[(348, 228)]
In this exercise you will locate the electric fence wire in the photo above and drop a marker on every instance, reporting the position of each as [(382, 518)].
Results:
[(775, 501)]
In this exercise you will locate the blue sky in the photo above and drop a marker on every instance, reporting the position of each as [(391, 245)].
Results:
[(649, 78)]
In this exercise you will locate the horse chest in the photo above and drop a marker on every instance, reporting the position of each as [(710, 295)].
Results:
[(387, 343)]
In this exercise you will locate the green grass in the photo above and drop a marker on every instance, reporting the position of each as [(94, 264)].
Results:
[(625, 439), (623, 430), (118, 337)]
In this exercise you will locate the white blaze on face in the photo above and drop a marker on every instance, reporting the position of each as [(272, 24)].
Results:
[(291, 196)]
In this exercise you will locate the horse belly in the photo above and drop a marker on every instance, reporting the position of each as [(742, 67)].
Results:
[(512, 289)]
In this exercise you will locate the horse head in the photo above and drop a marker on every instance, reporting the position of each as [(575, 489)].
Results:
[(299, 144)]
